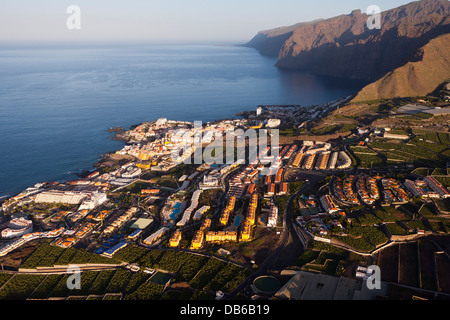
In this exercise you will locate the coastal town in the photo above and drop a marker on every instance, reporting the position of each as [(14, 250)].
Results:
[(326, 197), (155, 153)]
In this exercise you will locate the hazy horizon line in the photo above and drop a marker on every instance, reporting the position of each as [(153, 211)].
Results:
[(67, 42)]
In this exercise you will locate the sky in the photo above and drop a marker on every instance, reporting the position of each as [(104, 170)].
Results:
[(164, 20)]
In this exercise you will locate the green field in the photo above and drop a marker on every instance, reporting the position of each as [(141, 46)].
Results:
[(199, 271), (47, 255), (418, 150), (396, 230), (369, 160)]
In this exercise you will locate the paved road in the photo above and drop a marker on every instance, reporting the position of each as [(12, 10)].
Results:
[(64, 269)]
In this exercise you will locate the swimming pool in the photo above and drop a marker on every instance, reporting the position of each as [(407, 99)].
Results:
[(177, 205), (174, 214)]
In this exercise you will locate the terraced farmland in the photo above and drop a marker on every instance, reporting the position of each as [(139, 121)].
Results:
[(419, 264)]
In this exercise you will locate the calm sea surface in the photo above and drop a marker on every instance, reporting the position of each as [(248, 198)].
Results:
[(57, 102)]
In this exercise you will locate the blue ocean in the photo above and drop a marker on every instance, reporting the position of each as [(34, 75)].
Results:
[(57, 101)]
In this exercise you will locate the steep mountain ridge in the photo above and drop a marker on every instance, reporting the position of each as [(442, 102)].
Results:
[(269, 42), (344, 47), (415, 78)]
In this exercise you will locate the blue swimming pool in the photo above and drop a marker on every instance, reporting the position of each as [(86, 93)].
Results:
[(177, 205), (237, 221), (174, 214)]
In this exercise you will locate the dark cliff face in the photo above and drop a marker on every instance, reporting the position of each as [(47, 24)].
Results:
[(344, 47), (270, 42), (267, 45)]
